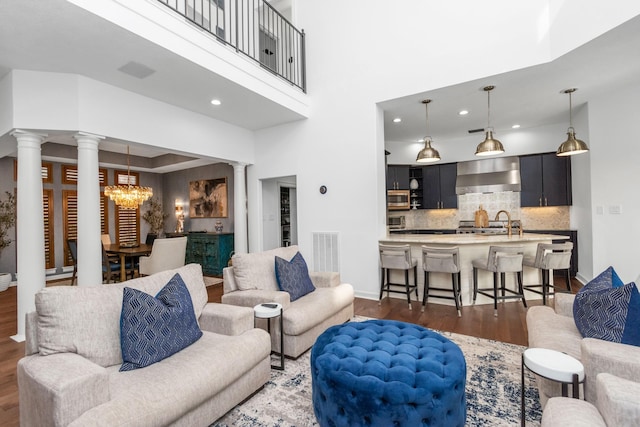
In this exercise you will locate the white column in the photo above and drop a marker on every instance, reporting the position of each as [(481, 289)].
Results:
[(239, 208), (29, 225), (89, 243)]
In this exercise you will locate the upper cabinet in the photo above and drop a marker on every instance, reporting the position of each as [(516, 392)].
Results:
[(439, 183), (397, 177), (546, 180)]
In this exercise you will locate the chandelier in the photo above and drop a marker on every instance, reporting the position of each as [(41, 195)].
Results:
[(128, 196)]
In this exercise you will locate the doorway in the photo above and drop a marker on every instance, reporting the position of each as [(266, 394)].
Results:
[(279, 212)]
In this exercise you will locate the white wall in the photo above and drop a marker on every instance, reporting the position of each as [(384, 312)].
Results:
[(615, 152), (373, 52), (57, 101)]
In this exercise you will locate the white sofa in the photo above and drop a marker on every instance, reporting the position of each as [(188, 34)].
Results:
[(252, 281), (554, 328), (70, 374), (166, 254)]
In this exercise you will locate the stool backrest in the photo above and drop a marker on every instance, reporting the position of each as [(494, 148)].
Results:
[(395, 256), (554, 256), (441, 260), (505, 259)]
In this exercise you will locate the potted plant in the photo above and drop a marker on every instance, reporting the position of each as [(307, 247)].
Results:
[(155, 216), (7, 221)]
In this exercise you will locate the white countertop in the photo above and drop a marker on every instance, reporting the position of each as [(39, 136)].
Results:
[(467, 239)]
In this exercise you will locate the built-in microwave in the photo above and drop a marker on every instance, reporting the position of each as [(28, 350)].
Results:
[(396, 222), (398, 200)]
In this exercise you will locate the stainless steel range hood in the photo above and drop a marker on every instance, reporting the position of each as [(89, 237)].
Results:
[(488, 175)]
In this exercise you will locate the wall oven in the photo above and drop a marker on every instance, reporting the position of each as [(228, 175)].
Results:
[(398, 200)]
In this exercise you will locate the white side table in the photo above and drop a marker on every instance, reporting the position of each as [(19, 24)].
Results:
[(553, 365), (268, 311)]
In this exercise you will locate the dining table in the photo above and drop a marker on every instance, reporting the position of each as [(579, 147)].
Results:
[(124, 251)]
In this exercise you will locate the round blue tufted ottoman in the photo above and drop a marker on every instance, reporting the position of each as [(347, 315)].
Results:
[(387, 373)]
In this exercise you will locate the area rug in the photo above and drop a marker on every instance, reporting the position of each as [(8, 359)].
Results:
[(493, 390)]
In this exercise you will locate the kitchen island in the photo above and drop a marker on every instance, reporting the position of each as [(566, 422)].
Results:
[(472, 246)]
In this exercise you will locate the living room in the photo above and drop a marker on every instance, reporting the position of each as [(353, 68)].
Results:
[(339, 121)]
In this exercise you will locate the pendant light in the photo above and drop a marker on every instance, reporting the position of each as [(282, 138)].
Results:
[(128, 196), (427, 154), (489, 146), (572, 145)]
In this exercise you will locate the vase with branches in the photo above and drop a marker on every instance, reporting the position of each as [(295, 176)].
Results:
[(7, 221), (155, 216)]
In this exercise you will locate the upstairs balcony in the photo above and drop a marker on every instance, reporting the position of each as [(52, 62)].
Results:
[(253, 28)]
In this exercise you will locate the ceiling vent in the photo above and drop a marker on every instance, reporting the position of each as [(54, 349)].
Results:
[(135, 69)]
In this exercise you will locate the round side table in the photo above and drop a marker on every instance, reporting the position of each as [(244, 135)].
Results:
[(553, 365), (268, 311)]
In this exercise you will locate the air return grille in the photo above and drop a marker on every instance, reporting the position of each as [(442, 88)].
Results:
[(325, 252)]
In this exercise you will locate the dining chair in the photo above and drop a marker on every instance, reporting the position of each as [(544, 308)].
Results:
[(72, 244), (111, 270), (166, 254)]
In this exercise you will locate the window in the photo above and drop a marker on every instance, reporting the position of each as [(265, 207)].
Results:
[(46, 172), (70, 223), (127, 225), (127, 220), (70, 175), (47, 210)]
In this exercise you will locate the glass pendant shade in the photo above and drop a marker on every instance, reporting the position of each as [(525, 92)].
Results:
[(128, 196), (572, 145), (489, 146), (428, 154)]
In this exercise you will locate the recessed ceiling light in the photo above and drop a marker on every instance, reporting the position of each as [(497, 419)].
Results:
[(397, 120), (463, 112), (216, 102), (516, 126)]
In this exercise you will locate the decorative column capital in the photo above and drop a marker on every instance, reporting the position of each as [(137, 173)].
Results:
[(88, 139), (239, 165), (29, 137)]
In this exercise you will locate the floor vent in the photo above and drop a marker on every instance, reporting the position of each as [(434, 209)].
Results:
[(325, 252)]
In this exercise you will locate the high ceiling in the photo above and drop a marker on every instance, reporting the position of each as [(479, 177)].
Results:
[(55, 35), (530, 97)]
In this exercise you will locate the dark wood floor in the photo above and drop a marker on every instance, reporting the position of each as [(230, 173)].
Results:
[(477, 321)]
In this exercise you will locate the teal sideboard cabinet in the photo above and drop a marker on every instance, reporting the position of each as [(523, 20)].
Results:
[(211, 250)]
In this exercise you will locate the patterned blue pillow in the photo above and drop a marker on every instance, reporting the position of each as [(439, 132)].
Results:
[(607, 309), (293, 276), (154, 328)]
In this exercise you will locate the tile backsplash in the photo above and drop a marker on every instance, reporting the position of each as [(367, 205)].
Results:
[(547, 218)]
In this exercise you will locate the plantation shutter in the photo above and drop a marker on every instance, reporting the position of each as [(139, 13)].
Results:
[(127, 225), (127, 220), (70, 223), (47, 213)]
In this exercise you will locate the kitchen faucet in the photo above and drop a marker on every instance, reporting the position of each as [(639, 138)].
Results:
[(508, 221)]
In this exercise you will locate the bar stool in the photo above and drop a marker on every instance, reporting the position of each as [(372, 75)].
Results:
[(550, 256), (397, 258), (442, 260), (501, 260)]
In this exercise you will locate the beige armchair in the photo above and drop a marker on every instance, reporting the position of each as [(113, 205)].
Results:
[(554, 328), (166, 254), (252, 281), (617, 405)]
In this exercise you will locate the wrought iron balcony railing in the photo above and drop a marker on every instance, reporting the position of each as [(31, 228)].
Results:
[(255, 29)]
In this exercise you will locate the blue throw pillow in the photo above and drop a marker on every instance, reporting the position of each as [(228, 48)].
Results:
[(154, 328), (293, 276), (607, 309)]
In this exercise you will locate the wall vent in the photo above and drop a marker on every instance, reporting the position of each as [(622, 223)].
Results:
[(326, 256)]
